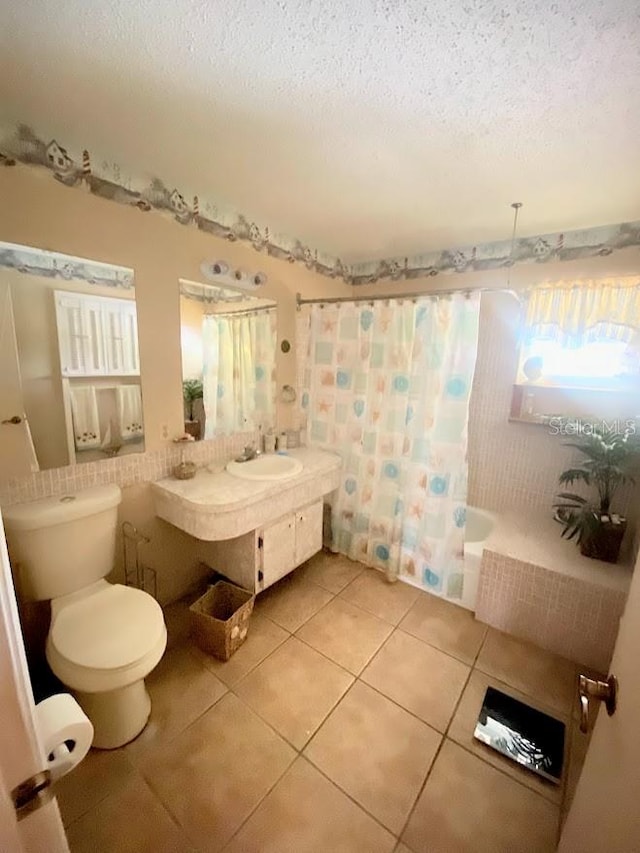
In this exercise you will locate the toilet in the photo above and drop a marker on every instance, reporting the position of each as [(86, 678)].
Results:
[(104, 638)]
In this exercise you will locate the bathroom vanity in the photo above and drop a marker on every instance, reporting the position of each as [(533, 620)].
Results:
[(259, 526)]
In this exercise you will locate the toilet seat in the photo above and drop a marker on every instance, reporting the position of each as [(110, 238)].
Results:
[(105, 637)]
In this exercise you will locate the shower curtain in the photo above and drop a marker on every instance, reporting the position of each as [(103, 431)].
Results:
[(239, 389), (387, 386)]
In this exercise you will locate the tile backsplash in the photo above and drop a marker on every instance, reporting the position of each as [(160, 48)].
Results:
[(124, 471)]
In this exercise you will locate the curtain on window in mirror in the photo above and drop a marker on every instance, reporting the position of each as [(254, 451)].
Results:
[(387, 386), (239, 371), (577, 313)]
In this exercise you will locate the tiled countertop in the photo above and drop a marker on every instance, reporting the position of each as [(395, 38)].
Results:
[(215, 505)]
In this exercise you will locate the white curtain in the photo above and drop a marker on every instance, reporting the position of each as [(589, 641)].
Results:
[(239, 389), (387, 386)]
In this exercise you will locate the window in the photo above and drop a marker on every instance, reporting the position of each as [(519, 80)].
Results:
[(580, 351)]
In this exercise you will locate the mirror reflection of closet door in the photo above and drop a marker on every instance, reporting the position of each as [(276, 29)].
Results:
[(17, 454)]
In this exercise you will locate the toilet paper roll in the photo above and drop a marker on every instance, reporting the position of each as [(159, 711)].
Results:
[(65, 732)]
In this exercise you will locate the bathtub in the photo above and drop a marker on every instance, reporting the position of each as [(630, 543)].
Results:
[(479, 526)]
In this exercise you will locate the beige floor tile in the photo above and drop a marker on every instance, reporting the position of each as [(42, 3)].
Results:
[(176, 617), (292, 601), (294, 689), (422, 679), (264, 636), (181, 690), (376, 752), (101, 773), (331, 571), (464, 722), (130, 821), (305, 813), (467, 806), (347, 634), (215, 773), (446, 626), (537, 673), (388, 601)]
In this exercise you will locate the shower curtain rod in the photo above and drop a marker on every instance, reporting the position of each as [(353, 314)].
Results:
[(466, 290), (239, 313)]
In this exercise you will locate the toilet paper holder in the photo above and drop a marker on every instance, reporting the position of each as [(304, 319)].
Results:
[(65, 734), (135, 572)]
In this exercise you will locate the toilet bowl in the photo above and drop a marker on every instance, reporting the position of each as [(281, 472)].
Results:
[(104, 638)]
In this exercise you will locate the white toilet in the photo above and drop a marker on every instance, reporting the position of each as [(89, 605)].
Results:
[(104, 638)]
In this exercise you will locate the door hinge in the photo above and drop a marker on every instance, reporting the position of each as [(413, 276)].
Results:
[(260, 542), (33, 793)]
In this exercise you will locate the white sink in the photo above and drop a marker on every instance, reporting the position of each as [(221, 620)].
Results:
[(271, 466)]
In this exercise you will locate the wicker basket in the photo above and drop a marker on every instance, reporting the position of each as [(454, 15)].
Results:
[(220, 619)]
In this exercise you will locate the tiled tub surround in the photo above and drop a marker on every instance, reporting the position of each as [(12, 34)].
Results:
[(537, 586), (215, 505)]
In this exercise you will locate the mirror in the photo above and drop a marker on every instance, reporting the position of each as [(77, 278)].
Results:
[(69, 363), (228, 341)]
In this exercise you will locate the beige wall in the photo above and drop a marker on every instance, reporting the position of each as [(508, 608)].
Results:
[(38, 211)]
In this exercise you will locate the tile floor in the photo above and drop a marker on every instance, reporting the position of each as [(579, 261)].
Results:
[(344, 723)]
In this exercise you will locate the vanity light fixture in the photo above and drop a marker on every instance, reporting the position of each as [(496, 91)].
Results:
[(221, 273)]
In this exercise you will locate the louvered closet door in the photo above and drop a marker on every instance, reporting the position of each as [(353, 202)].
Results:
[(80, 338)]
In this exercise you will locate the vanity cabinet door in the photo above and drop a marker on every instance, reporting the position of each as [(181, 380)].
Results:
[(308, 532), (278, 550)]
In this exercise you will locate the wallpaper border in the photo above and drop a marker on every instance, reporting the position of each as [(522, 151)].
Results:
[(108, 180)]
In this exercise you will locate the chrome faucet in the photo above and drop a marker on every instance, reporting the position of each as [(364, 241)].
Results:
[(250, 452)]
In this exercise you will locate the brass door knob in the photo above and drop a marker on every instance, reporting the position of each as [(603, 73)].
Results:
[(603, 691)]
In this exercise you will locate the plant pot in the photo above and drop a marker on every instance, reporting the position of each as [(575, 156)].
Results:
[(193, 428), (604, 543)]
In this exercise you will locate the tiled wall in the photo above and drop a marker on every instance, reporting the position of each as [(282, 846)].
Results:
[(571, 617), (125, 471), (511, 465)]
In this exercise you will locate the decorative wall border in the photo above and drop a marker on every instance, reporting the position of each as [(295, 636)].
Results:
[(539, 249), (55, 265), (107, 180)]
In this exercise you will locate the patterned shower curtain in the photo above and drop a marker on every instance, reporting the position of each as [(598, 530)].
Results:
[(387, 386), (239, 371)]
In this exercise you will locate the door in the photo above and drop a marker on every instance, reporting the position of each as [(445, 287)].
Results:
[(308, 532), (278, 549), (605, 814), (21, 754), (17, 454), (79, 321)]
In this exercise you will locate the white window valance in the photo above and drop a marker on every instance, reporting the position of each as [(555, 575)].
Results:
[(579, 312)]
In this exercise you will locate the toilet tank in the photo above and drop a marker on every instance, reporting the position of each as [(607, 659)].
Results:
[(61, 544)]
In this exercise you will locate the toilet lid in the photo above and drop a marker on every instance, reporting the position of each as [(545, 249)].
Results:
[(111, 628)]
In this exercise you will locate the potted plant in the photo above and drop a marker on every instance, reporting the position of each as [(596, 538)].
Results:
[(597, 529), (192, 391)]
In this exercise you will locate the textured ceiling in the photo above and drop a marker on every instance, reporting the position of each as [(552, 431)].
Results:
[(366, 128)]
